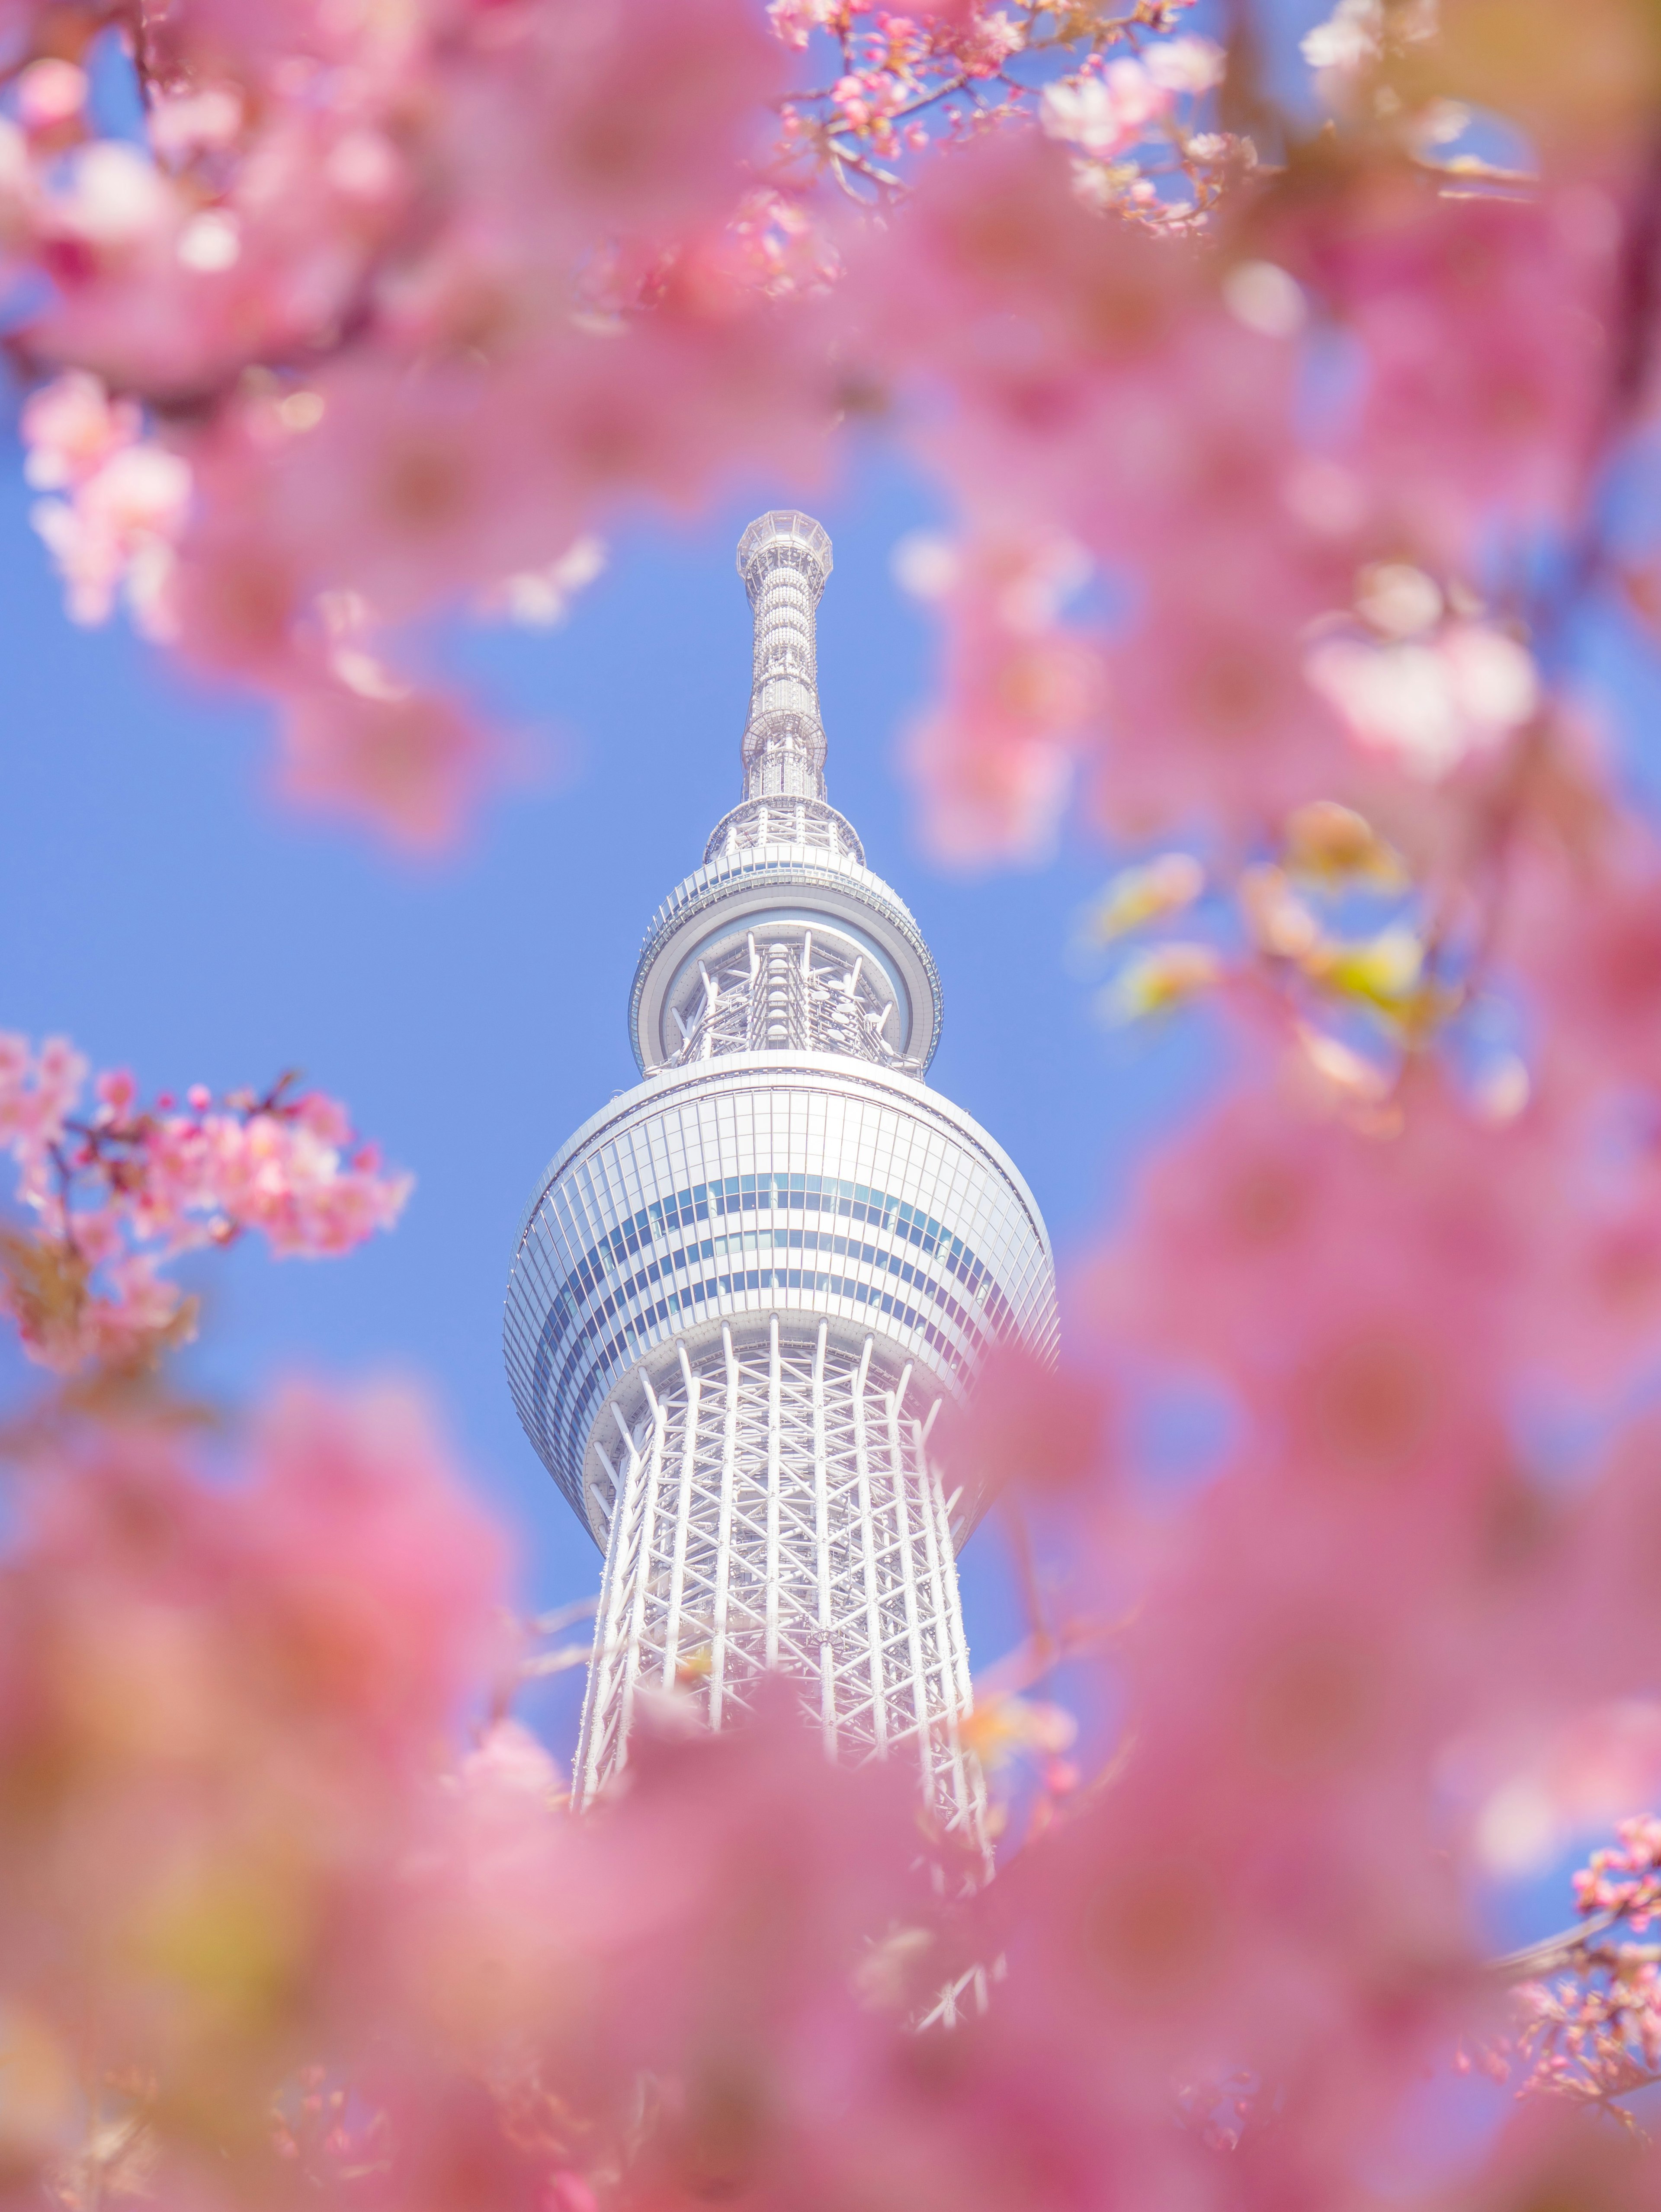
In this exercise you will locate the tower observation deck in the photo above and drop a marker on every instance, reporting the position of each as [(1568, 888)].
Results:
[(742, 1292)]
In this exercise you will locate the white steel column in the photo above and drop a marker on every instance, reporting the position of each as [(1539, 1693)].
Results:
[(642, 1571), (591, 1698), (944, 1697), (822, 1551), (604, 1668), (694, 1384), (868, 1550), (724, 1531), (909, 1575), (773, 1500), (965, 1699)]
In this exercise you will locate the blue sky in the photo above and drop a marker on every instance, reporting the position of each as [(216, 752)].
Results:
[(158, 905)]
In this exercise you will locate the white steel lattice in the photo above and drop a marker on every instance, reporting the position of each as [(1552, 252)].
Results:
[(775, 1509), (782, 989), (755, 823)]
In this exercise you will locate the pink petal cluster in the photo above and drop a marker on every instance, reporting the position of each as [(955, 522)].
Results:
[(995, 762), (218, 1738), (1624, 1880), (115, 1189), (383, 315), (119, 500), (1286, 498), (1105, 110), (940, 74), (414, 304), (332, 1954)]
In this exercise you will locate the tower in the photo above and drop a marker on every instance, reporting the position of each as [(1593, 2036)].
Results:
[(743, 1291)]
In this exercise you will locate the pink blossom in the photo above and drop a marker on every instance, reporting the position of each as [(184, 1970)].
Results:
[(357, 1506), (118, 1195), (51, 93), (233, 1731), (1029, 1430), (984, 39), (1481, 389), (409, 761), (1585, 932), (1210, 715), (996, 762), (1276, 1205), (1559, 1782), (1104, 114), (182, 125), (119, 533), (1115, 386), (1189, 65), (793, 20), (1547, 2153), (71, 428), (1625, 1881), (1429, 705), (38, 1093)]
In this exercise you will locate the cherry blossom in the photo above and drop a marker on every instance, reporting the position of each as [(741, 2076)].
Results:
[(233, 1736), (116, 1189), (1431, 705), (119, 500), (1287, 472), (997, 758), (1103, 114)]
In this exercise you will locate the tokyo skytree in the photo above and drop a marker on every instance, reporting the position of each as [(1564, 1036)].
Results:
[(743, 1291)]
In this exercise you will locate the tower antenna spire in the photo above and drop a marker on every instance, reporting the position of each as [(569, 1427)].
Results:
[(784, 558)]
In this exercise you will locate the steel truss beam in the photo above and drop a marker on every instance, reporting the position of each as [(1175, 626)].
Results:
[(776, 1510)]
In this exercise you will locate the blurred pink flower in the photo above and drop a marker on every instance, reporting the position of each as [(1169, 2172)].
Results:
[(116, 1194), (410, 762), (233, 1734)]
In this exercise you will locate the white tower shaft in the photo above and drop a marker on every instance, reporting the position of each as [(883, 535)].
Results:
[(784, 559)]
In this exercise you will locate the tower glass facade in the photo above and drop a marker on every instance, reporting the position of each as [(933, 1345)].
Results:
[(742, 1293)]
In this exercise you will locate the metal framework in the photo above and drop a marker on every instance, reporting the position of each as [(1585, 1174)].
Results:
[(775, 1509), (778, 991), (784, 560), (743, 1292)]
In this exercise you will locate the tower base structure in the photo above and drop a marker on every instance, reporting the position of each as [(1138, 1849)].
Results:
[(776, 1509)]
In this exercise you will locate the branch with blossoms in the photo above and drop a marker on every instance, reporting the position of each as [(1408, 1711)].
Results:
[(267, 337), (1115, 88), (1587, 2002), (397, 304), (204, 305), (117, 1190)]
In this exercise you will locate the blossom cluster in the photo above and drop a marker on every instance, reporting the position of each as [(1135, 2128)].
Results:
[(375, 316), (379, 316), (1118, 89), (1623, 1881), (113, 1189), (1282, 516), (268, 1822), (1586, 2005)]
